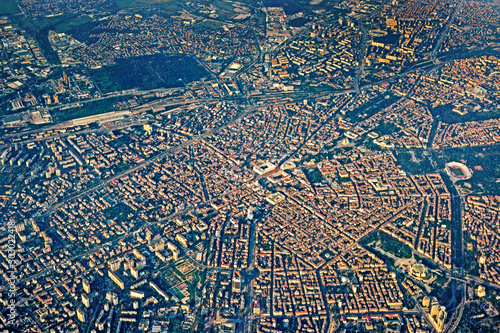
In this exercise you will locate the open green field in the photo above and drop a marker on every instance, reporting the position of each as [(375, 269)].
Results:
[(67, 26), (138, 3), (208, 25), (8, 7), (168, 5), (290, 7), (105, 80), (148, 72), (224, 5)]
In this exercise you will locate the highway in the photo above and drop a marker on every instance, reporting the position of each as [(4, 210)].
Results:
[(249, 274), (427, 65), (103, 183), (363, 46), (151, 160), (457, 272), (457, 315), (444, 33)]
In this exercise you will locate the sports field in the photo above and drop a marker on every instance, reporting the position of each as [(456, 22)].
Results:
[(457, 172)]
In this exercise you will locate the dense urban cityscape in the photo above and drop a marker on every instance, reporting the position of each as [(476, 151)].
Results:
[(250, 166)]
